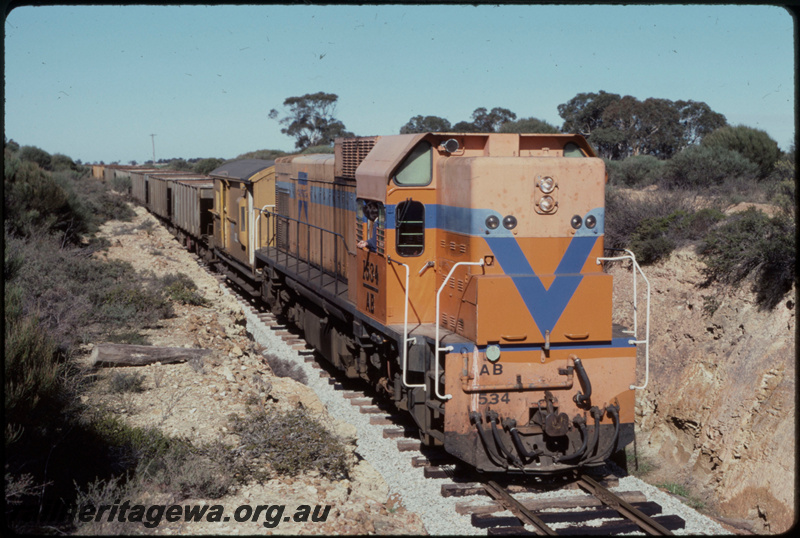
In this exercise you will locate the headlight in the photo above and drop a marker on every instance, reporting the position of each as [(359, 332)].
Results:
[(547, 184), (547, 204)]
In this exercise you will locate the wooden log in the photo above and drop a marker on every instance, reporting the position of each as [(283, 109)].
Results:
[(105, 355)]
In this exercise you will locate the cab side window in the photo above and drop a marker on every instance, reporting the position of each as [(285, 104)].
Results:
[(417, 169), (410, 228)]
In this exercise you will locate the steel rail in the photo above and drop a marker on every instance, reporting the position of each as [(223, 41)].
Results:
[(518, 509), (645, 522)]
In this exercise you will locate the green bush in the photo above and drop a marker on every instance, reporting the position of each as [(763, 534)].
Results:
[(32, 371), (123, 303), (66, 202), (655, 238), (179, 164), (121, 184), (62, 162), (266, 154), (126, 382), (652, 240), (34, 201), (625, 211), (652, 226), (285, 368), (706, 166), (77, 296), (179, 287), (696, 225), (754, 145), (37, 156), (292, 443), (204, 166), (636, 171), (318, 149), (752, 242)]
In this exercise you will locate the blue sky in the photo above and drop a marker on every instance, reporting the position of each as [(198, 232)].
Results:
[(94, 82)]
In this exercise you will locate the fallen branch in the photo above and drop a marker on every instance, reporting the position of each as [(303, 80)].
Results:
[(105, 355)]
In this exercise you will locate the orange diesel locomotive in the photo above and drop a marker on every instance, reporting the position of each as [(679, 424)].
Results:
[(460, 274)]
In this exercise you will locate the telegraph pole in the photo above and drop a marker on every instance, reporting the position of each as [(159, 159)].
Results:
[(153, 138)]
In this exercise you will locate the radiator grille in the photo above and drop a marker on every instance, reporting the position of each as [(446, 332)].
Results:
[(350, 152)]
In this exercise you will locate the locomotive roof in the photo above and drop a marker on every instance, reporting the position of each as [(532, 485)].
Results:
[(243, 169)]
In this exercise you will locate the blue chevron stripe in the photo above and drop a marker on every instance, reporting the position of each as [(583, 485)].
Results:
[(545, 305)]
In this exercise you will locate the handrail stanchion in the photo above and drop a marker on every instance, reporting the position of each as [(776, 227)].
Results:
[(406, 339), (632, 257), (258, 217), (448, 348)]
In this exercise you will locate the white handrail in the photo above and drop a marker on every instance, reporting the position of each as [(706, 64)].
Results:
[(632, 257), (448, 348), (406, 339)]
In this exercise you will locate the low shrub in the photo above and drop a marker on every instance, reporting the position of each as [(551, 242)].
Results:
[(752, 242), (180, 287), (636, 171), (32, 370), (652, 226), (626, 210), (204, 166), (291, 443), (126, 382), (123, 303), (128, 337), (77, 296), (286, 368), (121, 184), (702, 166)]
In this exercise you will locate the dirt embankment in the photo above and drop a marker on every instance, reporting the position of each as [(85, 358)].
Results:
[(195, 401), (718, 414)]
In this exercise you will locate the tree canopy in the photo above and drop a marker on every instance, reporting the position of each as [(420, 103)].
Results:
[(528, 125), (426, 124), (620, 127), (483, 121), (311, 120)]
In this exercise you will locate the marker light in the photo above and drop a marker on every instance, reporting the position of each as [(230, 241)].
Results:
[(493, 352), (547, 184), (492, 222), (510, 222), (591, 221), (577, 221)]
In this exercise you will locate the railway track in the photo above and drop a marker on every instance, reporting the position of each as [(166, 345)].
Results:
[(577, 515), (516, 508)]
